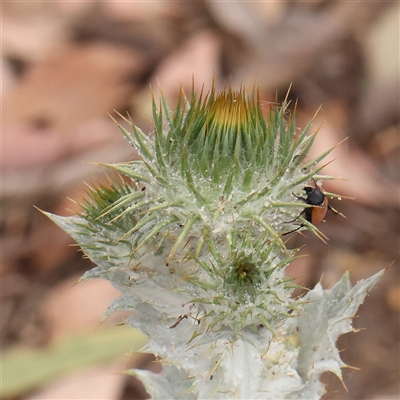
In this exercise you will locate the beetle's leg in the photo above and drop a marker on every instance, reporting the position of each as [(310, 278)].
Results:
[(288, 222), (294, 230), (305, 201), (336, 211), (299, 197)]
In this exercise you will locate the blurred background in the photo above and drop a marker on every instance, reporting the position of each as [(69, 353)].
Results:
[(66, 65)]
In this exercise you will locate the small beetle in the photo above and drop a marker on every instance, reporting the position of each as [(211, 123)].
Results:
[(315, 214)]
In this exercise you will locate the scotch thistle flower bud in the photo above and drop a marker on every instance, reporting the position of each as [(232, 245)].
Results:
[(192, 237)]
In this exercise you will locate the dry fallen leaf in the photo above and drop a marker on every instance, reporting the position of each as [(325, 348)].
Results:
[(196, 60), (60, 105), (71, 307)]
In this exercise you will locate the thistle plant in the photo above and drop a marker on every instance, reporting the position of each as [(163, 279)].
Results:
[(192, 235)]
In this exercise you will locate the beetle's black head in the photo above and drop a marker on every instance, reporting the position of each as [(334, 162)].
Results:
[(314, 196)]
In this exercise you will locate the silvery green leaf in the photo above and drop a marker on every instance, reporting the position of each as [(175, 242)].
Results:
[(327, 314)]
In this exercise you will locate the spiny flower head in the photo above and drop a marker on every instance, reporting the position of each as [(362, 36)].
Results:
[(203, 212)]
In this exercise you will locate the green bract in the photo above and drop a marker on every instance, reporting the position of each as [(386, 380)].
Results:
[(192, 237)]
